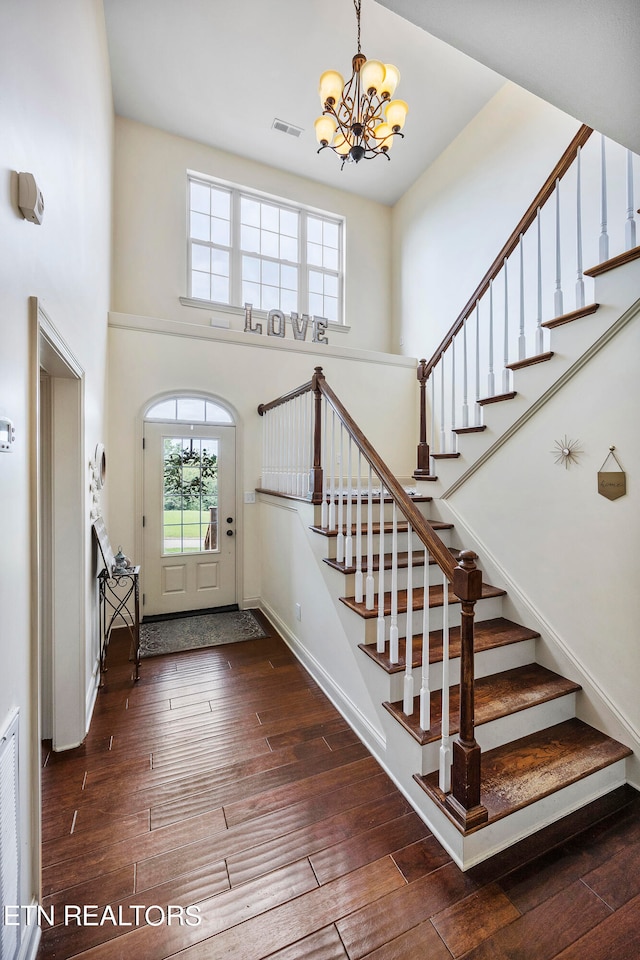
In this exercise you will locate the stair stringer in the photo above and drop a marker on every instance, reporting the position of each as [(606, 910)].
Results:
[(573, 345), (593, 704)]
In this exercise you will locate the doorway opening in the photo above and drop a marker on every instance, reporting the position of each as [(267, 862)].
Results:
[(60, 538)]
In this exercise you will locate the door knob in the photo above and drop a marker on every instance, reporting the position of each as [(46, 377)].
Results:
[(229, 519), (229, 533)]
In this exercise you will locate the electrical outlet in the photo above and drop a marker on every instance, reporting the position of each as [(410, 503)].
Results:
[(249, 496), (298, 612)]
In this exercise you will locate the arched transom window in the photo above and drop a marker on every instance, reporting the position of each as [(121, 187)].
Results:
[(189, 410)]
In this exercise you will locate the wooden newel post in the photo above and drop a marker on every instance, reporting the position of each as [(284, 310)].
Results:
[(464, 799), (315, 479), (422, 468)]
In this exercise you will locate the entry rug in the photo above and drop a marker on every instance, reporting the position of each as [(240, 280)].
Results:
[(191, 633)]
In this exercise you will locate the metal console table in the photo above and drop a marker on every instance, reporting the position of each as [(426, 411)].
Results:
[(120, 601)]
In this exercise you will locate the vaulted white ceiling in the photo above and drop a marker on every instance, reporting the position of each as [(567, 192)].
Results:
[(219, 72), (583, 56)]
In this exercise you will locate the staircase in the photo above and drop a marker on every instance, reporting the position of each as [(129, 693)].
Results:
[(539, 762), (421, 654)]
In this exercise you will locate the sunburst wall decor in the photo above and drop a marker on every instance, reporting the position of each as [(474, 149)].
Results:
[(567, 452)]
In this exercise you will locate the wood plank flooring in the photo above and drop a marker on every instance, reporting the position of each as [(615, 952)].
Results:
[(225, 780)]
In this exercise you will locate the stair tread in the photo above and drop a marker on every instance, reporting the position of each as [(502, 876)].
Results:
[(403, 561), (613, 262), (527, 770), (462, 430), (375, 528), (498, 695), (569, 317), (435, 600), (497, 398), (488, 634), (530, 361)]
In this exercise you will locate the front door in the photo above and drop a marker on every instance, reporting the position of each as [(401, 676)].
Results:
[(189, 517)]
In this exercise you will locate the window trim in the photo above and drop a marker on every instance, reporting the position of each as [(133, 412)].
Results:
[(235, 253)]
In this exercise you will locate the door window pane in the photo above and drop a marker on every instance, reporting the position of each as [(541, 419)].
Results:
[(190, 495)]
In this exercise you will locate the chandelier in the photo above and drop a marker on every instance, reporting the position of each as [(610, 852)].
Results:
[(359, 119)]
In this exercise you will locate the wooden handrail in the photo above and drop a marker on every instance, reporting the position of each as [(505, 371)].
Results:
[(561, 168), (298, 392), (428, 537)]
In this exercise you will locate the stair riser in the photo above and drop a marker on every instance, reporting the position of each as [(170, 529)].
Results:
[(505, 729), (486, 663), (348, 587), (507, 831), (423, 507), (485, 610), (331, 543)]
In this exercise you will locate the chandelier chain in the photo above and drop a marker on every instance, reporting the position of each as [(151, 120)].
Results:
[(357, 4)]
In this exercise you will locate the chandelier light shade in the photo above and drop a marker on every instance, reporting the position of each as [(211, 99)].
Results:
[(359, 119)]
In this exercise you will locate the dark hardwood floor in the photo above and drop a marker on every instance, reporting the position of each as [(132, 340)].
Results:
[(225, 780)]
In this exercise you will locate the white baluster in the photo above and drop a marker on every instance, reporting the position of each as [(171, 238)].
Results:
[(299, 439), (465, 385), (478, 416), (425, 692), (394, 654), (580, 277), (408, 651), (557, 296), (340, 541), (505, 371), (279, 450), (442, 416), (454, 437), (359, 579), (539, 327), (348, 543), (370, 583), (331, 460), (381, 621), (325, 465), (630, 223), (445, 749), (492, 379), (433, 416), (522, 340), (604, 236), (289, 445)]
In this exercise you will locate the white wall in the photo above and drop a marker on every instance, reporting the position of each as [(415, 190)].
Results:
[(449, 227), (150, 248), (570, 553), (56, 119), (244, 370)]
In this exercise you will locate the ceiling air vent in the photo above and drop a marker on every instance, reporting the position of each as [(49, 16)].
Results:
[(286, 128)]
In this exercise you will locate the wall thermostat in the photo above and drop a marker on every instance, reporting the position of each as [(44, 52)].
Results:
[(7, 434), (30, 199)]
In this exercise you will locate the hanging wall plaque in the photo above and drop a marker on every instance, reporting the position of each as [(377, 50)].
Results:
[(612, 483)]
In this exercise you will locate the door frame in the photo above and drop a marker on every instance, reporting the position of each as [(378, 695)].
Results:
[(139, 477), (59, 590)]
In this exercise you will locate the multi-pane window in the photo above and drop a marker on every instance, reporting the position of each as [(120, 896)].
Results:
[(245, 248)]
